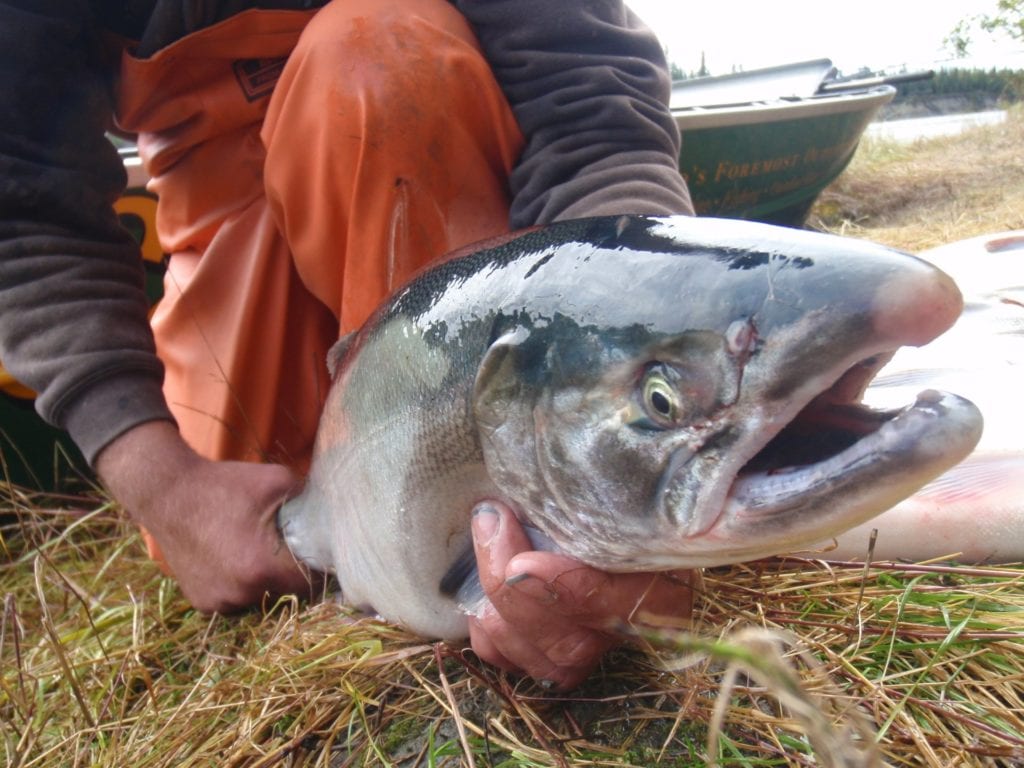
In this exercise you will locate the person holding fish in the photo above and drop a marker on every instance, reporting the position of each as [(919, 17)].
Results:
[(309, 157)]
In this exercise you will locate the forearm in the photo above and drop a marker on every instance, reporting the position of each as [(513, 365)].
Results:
[(73, 326), (215, 522), (143, 464)]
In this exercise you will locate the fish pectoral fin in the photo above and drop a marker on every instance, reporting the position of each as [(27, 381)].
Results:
[(462, 582), (981, 478), (462, 579), (337, 353)]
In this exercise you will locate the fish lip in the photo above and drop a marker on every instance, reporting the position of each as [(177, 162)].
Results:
[(672, 478), (911, 446)]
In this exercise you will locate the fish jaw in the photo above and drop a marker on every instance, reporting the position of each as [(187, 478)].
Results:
[(773, 512), (975, 511)]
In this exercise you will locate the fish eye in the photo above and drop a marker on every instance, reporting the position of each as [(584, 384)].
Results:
[(657, 398), (660, 399)]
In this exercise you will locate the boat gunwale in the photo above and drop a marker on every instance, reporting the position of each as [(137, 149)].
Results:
[(782, 109)]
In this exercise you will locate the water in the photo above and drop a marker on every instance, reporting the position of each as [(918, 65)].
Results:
[(930, 127)]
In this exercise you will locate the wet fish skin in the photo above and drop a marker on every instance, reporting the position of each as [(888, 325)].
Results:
[(608, 379)]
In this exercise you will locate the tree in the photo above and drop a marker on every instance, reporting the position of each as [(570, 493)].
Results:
[(1008, 19)]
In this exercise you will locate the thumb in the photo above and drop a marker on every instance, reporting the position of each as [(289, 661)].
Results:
[(497, 538)]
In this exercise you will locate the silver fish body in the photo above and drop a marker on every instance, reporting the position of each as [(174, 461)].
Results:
[(975, 511), (638, 389)]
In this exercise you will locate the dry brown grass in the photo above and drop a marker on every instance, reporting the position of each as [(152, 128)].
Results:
[(923, 194), (788, 662)]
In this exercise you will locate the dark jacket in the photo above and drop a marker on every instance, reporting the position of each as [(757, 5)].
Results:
[(587, 83)]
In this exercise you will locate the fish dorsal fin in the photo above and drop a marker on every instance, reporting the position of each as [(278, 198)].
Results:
[(337, 353)]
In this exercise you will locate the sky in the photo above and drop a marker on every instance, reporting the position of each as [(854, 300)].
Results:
[(879, 34)]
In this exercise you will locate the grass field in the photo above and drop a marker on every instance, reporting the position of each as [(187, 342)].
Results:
[(920, 195), (787, 662)]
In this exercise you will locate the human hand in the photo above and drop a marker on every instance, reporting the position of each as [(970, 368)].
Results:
[(215, 522), (553, 617)]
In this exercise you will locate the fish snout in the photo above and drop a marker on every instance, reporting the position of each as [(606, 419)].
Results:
[(915, 306)]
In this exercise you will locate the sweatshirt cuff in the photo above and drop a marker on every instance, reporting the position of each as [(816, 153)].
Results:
[(110, 408), (646, 184), (614, 202)]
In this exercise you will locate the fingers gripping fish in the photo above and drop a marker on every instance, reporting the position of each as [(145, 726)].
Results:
[(648, 393)]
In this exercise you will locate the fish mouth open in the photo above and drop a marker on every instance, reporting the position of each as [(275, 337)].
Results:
[(839, 462), (829, 424)]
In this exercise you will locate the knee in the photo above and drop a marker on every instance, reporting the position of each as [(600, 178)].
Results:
[(386, 47)]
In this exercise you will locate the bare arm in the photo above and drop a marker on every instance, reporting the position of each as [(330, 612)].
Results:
[(215, 522)]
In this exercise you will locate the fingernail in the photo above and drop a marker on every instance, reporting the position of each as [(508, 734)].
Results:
[(534, 588), (485, 523)]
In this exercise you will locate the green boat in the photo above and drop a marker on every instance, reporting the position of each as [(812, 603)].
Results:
[(762, 145)]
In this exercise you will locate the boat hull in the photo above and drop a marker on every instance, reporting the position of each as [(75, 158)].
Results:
[(769, 161)]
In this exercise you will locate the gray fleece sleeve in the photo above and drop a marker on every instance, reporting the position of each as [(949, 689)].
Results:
[(589, 87), (73, 322)]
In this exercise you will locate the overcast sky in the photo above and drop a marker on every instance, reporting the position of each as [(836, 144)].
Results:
[(874, 33)]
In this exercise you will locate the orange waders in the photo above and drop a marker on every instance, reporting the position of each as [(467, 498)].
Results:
[(306, 165)]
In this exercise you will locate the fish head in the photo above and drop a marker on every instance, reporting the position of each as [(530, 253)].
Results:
[(707, 411)]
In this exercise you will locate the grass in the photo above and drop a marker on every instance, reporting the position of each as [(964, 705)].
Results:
[(923, 194), (789, 662)]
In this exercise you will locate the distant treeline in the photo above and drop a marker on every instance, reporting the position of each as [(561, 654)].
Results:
[(953, 91), (948, 91), (984, 86)]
